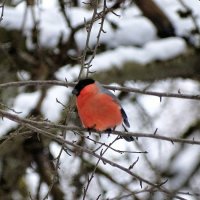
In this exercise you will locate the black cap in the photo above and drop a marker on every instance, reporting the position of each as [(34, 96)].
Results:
[(81, 84)]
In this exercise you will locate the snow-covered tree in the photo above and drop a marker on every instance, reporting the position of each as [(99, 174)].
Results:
[(146, 53)]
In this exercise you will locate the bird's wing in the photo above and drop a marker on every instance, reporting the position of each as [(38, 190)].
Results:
[(105, 91), (108, 92)]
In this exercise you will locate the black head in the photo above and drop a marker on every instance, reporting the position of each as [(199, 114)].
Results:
[(81, 84)]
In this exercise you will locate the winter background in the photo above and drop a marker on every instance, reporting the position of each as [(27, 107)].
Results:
[(134, 40)]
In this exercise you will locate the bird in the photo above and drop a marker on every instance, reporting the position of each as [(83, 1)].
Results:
[(98, 108)]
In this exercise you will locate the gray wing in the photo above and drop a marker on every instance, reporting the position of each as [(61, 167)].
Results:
[(105, 91)]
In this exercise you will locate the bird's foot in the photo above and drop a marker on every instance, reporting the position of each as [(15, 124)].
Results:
[(109, 131)]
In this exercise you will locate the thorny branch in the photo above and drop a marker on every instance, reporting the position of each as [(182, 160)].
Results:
[(74, 128), (88, 63), (89, 25), (124, 89), (89, 30)]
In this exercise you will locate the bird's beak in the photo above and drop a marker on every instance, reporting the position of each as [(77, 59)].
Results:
[(75, 91)]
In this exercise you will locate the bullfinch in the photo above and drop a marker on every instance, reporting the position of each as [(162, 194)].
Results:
[(98, 108)]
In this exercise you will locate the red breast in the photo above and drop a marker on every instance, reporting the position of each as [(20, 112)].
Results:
[(97, 110)]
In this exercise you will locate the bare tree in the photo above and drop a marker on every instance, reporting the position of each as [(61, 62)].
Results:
[(94, 166)]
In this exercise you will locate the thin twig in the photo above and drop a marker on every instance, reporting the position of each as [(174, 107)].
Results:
[(62, 149), (116, 150), (89, 30), (193, 18), (2, 10), (97, 41), (92, 174), (11, 109), (134, 193)]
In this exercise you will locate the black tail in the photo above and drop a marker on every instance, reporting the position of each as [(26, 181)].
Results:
[(127, 138), (125, 118), (126, 122)]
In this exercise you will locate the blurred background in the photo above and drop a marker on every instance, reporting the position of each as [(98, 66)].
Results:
[(150, 45)]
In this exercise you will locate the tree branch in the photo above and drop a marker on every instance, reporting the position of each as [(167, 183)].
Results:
[(60, 140), (124, 89), (44, 124)]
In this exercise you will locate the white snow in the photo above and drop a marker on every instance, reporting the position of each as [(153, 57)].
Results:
[(68, 72), (166, 49), (51, 109), (155, 50), (23, 103), (137, 30)]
